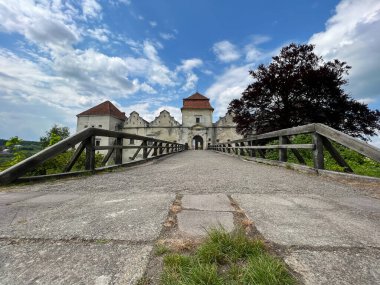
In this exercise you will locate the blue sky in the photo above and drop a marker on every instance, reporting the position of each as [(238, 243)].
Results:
[(58, 58)]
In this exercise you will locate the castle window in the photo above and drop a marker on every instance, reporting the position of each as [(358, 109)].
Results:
[(217, 140), (97, 143), (209, 139), (131, 141), (85, 126), (100, 126)]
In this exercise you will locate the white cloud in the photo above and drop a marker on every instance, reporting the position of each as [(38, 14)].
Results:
[(167, 36), (44, 23), (190, 64), (376, 140), (101, 34), (228, 86), (191, 79), (191, 82), (351, 35), (226, 51), (153, 23), (91, 9), (366, 100), (126, 2)]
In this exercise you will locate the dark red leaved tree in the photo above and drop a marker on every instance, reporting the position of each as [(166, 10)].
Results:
[(298, 87)]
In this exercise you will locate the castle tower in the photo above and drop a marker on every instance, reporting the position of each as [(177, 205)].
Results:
[(197, 120)]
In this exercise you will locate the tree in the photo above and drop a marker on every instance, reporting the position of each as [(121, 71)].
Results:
[(17, 154), (12, 142), (54, 135), (298, 87)]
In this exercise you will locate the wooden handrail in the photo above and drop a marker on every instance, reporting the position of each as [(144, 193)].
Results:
[(321, 135), (348, 141), (86, 140)]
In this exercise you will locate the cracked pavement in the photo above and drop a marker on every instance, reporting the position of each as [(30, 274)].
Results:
[(101, 229)]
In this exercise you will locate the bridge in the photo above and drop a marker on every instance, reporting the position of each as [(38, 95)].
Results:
[(103, 228)]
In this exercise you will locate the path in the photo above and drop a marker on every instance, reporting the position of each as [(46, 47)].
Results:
[(101, 229)]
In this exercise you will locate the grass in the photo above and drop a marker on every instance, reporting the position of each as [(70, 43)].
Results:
[(161, 249), (225, 258)]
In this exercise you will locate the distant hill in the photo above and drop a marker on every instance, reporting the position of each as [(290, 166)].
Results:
[(26, 145), (29, 147)]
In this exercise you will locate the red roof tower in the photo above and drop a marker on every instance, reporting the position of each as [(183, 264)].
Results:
[(197, 101), (104, 109)]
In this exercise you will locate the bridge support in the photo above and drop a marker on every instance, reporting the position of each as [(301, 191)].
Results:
[(318, 158), (90, 153), (283, 152)]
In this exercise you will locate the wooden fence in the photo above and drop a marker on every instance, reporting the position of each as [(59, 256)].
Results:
[(322, 135), (147, 147)]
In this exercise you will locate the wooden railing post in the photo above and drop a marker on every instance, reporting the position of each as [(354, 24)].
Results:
[(318, 158), (251, 152), (145, 150), (282, 152), (119, 151), (242, 150), (160, 149), (155, 149), (90, 153)]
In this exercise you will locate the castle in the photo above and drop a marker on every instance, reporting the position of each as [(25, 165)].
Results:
[(197, 129)]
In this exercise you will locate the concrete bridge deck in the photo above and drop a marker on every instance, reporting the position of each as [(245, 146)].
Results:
[(101, 229)]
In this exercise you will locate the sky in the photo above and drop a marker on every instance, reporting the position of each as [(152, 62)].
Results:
[(59, 58)]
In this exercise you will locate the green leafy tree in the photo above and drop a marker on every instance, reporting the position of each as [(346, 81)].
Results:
[(12, 142), (297, 88), (17, 154), (54, 135)]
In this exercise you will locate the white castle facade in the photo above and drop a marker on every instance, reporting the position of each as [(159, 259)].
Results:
[(197, 129)]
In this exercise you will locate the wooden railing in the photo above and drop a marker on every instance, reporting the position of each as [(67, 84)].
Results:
[(147, 147), (322, 135)]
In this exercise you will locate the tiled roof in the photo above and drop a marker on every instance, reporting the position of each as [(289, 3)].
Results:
[(196, 96), (105, 108), (197, 101)]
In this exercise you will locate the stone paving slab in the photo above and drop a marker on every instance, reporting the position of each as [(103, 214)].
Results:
[(196, 223), (71, 263), (327, 240), (116, 215), (207, 202), (343, 267), (310, 220)]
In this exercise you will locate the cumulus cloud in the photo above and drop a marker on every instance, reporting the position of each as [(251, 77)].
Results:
[(191, 79), (153, 23), (226, 51), (191, 82), (44, 23), (234, 80), (351, 35), (91, 9), (228, 86), (100, 34), (190, 64)]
